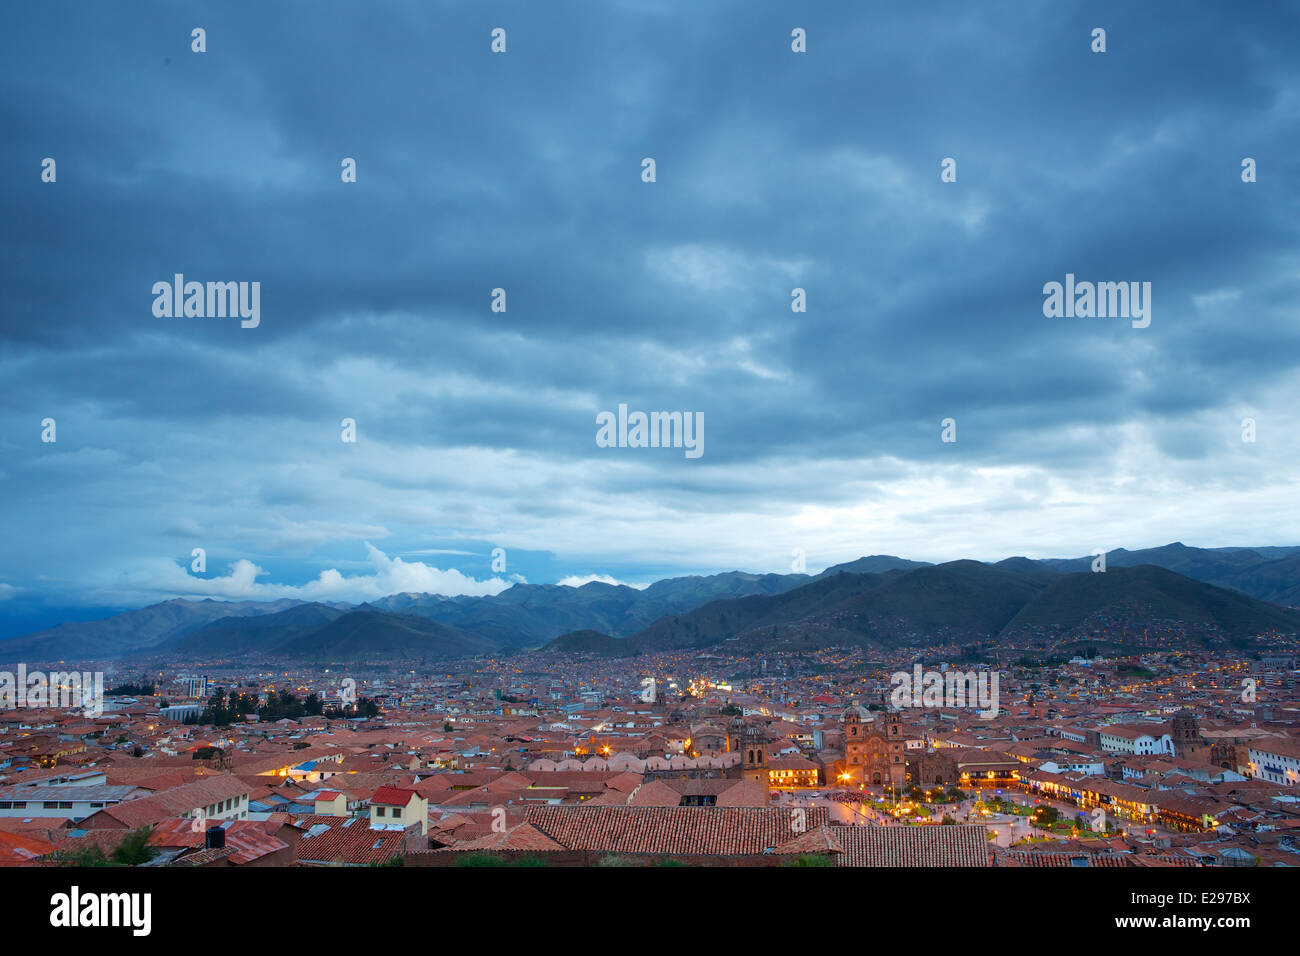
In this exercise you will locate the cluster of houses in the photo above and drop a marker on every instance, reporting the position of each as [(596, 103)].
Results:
[(584, 773)]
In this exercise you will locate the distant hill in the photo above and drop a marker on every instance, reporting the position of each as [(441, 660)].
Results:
[(322, 634), (1212, 565), (959, 602), (963, 600), (1266, 573), (719, 621), (370, 634), (878, 599), (1276, 580), (874, 564), (229, 636), (589, 642), (130, 631), (527, 615), (522, 616), (679, 594), (1023, 565), (1146, 595)]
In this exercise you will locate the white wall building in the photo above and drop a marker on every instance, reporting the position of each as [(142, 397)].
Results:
[(61, 802), (1136, 739), (1277, 761)]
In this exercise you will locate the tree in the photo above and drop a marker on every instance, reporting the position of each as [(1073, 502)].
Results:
[(88, 856), (135, 849), (130, 690), (216, 713), (132, 851), (1045, 817)]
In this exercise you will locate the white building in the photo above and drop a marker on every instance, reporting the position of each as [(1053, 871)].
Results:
[(1277, 761), (1136, 739), (1075, 763), (181, 712), (61, 802)]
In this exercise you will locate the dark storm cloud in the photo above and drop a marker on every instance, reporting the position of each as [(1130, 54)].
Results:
[(522, 171)]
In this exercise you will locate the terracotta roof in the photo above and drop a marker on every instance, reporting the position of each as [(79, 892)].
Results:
[(19, 850), (652, 793), (958, 845), (523, 836), (246, 840), (1133, 731), (393, 797), (354, 843), (745, 793), (707, 831), (106, 840), (1077, 858), (820, 840), (1279, 746), (174, 802)]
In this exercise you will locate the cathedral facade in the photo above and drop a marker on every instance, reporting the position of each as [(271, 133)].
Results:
[(874, 751)]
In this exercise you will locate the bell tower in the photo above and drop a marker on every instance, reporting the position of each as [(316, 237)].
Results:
[(1186, 733), (855, 735), (753, 746)]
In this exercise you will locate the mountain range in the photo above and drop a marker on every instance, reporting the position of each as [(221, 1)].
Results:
[(961, 603), (880, 599)]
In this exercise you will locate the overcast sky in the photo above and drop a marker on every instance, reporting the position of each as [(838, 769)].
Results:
[(522, 170)]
